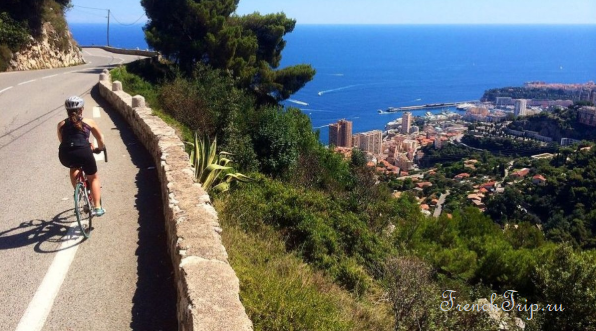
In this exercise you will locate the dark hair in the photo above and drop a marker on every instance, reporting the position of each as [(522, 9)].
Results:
[(73, 115)]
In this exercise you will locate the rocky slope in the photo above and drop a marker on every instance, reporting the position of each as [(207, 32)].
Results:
[(50, 51)]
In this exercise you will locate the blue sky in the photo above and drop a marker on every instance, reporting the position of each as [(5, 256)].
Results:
[(376, 11)]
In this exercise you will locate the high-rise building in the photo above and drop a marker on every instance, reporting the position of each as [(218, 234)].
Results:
[(520, 107), (340, 134), (406, 122), (371, 141)]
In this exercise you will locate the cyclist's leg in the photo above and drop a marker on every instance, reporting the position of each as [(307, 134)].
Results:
[(74, 172), (69, 160), (95, 189)]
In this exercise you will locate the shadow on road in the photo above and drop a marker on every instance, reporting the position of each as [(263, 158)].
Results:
[(154, 301), (46, 236)]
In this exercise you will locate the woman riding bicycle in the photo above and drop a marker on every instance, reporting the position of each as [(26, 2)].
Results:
[(76, 151)]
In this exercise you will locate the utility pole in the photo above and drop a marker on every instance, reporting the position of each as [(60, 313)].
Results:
[(108, 27)]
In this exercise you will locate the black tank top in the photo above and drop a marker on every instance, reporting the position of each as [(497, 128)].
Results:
[(72, 136)]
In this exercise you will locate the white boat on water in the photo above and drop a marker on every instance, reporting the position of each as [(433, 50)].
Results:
[(464, 106)]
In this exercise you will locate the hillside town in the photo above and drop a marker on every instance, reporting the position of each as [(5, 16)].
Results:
[(398, 150)]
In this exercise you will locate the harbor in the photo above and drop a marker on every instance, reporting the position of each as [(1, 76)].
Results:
[(462, 105)]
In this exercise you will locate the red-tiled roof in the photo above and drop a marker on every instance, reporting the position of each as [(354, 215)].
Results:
[(488, 184), (521, 173)]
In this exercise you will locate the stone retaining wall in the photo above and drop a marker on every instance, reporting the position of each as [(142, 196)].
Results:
[(208, 289)]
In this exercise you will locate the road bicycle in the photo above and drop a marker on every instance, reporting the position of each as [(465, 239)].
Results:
[(83, 199)]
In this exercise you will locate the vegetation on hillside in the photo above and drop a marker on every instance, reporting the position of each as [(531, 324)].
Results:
[(21, 19), (558, 123), (319, 243), (564, 206), (529, 93)]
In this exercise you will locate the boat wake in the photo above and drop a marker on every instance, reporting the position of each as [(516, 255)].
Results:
[(320, 127), (337, 89), (316, 110), (298, 102)]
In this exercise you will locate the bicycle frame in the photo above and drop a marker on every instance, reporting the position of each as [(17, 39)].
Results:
[(83, 196)]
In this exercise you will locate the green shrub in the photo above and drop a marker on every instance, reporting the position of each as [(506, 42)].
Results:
[(5, 56), (280, 292), (13, 34), (315, 226)]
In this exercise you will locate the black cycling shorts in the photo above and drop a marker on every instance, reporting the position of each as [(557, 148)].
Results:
[(75, 157)]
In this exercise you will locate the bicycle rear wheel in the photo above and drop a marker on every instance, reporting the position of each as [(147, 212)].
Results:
[(83, 210)]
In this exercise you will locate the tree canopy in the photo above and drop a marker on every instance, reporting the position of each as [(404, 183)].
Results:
[(247, 47)]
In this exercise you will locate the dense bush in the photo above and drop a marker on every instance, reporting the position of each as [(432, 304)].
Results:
[(314, 225), (20, 19), (13, 34)]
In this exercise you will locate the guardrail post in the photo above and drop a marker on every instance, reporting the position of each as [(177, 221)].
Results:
[(117, 86), (138, 101)]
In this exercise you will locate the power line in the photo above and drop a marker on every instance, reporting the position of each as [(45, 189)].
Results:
[(126, 24), (112, 15), (90, 7), (89, 13)]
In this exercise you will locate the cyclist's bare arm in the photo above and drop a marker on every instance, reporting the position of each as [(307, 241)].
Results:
[(96, 132), (59, 131)]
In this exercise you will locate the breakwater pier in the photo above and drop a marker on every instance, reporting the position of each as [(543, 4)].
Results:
[(463, 104)]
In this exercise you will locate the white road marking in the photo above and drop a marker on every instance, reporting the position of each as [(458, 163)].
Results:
[(27, 82), (6, 89), (37, 312), (50, 76), (96, 112)]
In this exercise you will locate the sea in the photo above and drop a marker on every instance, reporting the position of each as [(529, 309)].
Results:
[(362, 69)]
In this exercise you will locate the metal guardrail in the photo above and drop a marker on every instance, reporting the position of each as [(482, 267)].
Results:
[(125, 51)]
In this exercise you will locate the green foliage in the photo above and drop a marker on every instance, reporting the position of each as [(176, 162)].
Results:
[(135, 84), (210, 166), (20, 19), (526, 93), (560, 123), (567, 279), (247, 47), (5, 57), (564, 206), (358, 158), (415, 299), (276, 139), (281, 292), (13, 34), (315, 226), (508, 146)]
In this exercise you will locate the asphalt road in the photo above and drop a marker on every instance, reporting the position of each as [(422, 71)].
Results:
[(439, 208), (120, 278)]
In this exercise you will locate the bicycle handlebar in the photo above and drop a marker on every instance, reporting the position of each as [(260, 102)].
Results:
[(104, 150)]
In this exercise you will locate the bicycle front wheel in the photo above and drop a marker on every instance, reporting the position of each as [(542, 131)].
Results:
[(83, 210)]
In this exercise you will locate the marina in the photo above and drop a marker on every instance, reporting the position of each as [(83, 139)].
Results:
[(462, 105)]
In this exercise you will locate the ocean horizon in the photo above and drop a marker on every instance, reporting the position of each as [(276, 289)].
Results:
[(365, 68)]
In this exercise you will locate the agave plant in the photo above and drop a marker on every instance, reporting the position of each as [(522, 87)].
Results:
[(210, 165)]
